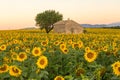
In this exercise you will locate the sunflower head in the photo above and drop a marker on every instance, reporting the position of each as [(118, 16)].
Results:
[(42, 62), (14, 55), (105, 48), (15, 71), (116, 68), (75, 45), (36, 51), (80, 44), (27, 50), (70, 41), (62, 46), (87, 49), (59, 78), (44, 43), (65, 51), (4, 68), (115, 65), (3, 47), (6, 60), (22, 56), (56, 43), (15, 41), (90, 56)]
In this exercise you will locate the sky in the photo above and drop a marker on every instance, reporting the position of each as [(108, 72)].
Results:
[(17, 14)]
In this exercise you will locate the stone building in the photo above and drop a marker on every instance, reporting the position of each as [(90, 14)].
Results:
[(67, 26)]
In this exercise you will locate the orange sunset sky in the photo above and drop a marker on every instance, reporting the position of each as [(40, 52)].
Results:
[(16, 14)]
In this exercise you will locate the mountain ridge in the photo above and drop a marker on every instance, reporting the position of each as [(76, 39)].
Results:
[(102, 25)]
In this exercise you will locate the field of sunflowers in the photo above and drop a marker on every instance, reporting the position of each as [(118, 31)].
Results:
[(35, 55)]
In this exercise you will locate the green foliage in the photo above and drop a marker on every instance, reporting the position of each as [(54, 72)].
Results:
[(46, 19)]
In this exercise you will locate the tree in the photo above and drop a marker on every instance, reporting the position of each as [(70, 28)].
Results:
[(46, 19)]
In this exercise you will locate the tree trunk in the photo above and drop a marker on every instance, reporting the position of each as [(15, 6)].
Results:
[(48, 29)]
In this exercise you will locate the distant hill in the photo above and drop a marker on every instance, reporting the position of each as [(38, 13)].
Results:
[(101, 25), (114, 24), (29, 28), (92, 26)]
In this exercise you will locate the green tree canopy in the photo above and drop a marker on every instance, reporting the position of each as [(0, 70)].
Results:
[(46, 19)]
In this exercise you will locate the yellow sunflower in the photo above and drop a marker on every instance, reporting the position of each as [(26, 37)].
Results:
[(62, 46), (21, 56), (6, 60), (42, 62), (17, 48), (3, 47), (27, 50), (116, 64), (36, 51), (56, 43), (70, 41), (105, 48), (14, 55), (44, 43), (4, 68), (15, 71), (65, 51), (87, 49), (75, 45), (80, 44), (15, 41), (116, 68), (59, 78), (90, 56)]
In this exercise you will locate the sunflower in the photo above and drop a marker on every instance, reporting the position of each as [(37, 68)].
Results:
[(15, 71), (14, 55), (115, 65), (6, 60), (116, 68), (90, 56), (56, 43), (17, 48), (62, 46), (87, 49), (27, 50), (75, 45), (105, 48), (70, 41), (36, 51), (59, 78), (15, 41), (4, 68), (3, 47), (65, 51), (22, 56), (80, 44), (44, 43), (42, 62)]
